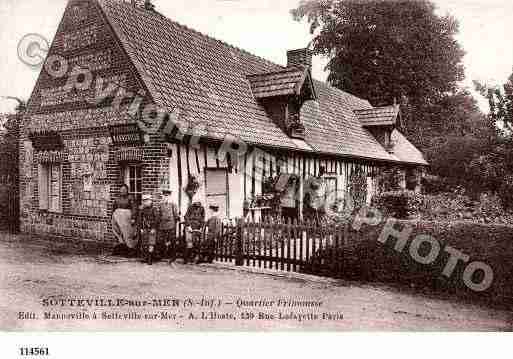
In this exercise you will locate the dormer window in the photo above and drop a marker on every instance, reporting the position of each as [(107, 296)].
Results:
[(381, 122), (283, 93), (388, 139)]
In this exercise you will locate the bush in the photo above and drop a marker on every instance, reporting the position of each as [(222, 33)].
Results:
[(457, 206), (326, 262), (435, 184), (399, 204), (492, 244), (506, 192)]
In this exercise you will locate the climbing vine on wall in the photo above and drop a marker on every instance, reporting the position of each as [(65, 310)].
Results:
[(358, 188), (390, 179)]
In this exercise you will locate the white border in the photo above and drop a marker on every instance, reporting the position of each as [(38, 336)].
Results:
[(258, 345)]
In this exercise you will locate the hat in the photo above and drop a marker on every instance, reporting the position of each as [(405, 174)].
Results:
[(166, 190), (146, 197)]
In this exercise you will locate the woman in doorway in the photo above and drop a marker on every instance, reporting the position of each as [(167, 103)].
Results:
[(123, 219)]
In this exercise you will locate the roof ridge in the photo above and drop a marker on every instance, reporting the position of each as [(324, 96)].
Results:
[(164, 17), (269, 62)]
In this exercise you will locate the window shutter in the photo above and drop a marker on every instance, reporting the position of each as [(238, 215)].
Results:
[(217, 190), (59, 188), (55, 187), (216, 182), (43, 187)]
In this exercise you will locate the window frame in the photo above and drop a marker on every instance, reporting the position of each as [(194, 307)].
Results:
[(411, 176), (46, 169), (138, 177)]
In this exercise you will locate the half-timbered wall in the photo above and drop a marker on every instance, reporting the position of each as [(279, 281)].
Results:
[(246, 177), (187, 160)]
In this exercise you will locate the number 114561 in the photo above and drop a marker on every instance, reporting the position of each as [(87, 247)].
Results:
[(26, 351)]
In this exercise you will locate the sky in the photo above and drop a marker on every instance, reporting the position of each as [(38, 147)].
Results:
[(263, 27)]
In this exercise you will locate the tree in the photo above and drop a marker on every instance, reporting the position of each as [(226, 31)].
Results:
[(496, 167), (452, 115), (386, 49), (395, 50), (500, 99), (9, 140), (9, 166), (20, 107), (401, 50)]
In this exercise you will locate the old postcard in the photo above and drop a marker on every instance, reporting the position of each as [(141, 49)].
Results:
[(334, 165)]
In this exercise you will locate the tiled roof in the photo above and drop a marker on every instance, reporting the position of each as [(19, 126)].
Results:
[(212, 83), (332, 127), (203, 77), (378, 116), (277, 83), (405, 151)]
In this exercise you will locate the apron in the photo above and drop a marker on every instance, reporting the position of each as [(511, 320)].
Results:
[(122, 227)]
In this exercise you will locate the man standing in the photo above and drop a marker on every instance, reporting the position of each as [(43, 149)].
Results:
[(169, 218), (214, 228), (194, 224)]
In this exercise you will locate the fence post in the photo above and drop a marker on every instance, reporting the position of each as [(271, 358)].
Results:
[(239, 258)]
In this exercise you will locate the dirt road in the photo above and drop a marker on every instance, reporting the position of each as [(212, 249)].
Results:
[(98, 292)]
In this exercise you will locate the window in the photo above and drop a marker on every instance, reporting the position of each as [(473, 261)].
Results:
[(217, 190), (133, 179), (388, 139), (371, 189), (287, 184), (50, 187), (331, 186), (412, 179), (330, 190)]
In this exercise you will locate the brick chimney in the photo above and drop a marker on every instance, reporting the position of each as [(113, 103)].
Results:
[(300, 57)]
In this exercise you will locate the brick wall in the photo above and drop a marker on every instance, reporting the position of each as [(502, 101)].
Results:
[(91, 175), (89, 159), (85, 39)]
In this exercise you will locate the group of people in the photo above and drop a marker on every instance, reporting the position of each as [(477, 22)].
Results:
[(149, 230)]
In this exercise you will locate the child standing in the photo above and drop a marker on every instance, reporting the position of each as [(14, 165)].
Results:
[(188, 251), (148, 223)]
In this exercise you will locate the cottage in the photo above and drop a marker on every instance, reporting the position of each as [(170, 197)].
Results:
[(127, 96)]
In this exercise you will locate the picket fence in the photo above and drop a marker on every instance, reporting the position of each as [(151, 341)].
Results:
[(291, 246)]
